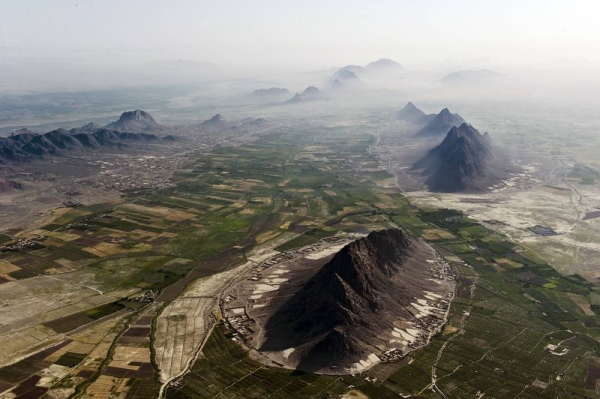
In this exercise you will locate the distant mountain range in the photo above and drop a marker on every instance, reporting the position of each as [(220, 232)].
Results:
[(352, 304), (469, 77), (219, 122), (26, 146), (429, 125), (270, 92), (311, 93), (380, 68), (461, 163)]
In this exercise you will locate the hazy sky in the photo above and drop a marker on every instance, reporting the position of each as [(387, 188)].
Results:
[(308, 34)]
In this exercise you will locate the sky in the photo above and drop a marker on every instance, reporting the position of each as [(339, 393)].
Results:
[(304, 34)]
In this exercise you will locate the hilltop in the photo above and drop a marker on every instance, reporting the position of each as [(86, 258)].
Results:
[(348, 310), (412, 114), (216, 120), (440, 124), (311, 93), (134, 121), (461, 163)]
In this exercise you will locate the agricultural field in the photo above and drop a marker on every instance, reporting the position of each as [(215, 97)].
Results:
[(119, 299), (108, 262)]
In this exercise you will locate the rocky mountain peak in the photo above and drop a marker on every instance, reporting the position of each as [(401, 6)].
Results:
[(460, 163), (335, 312), (137, 115)]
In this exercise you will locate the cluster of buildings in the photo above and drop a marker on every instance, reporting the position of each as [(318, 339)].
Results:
[(240, 325), (145, 297), (390, 355), (442, 270), (24, 243), (122, 182), (142, 172)]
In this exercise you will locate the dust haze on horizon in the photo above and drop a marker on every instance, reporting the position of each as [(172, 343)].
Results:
[(79, 45)]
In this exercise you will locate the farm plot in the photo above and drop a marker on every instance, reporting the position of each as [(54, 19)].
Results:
[(183, 324)]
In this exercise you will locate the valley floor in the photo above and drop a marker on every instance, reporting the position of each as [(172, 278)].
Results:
[(121, 299)]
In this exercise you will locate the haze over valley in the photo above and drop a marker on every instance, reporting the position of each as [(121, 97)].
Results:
[(299, 200)]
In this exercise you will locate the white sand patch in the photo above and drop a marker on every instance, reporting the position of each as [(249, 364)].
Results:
[(262, 288), (414, 332), (51, 374), (373, 358), (280, 271), (423, 309), (286, 353), (433, 294), (364, 364), (279, 280), (255, 297), (326, 252), (237, 310), (261, 305), (405, 335)]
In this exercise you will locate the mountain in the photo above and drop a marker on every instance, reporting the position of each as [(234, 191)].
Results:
[(349, 308), (86, 129), (22, 130), (346, 79), (412, 114), (270, 93), (311, 93), (440, 124), (469, 77), (354, 69), (134, 121), (254, 121), (216, 120), (347, 76), (461, 163), (337, 85), (372, 70), (384, 65), (27, 147)]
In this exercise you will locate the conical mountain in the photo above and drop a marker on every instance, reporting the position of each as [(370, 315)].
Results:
[(216, 120), (347, 310), (410, 113), (440, 124), (337, 85), (462, 162)]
